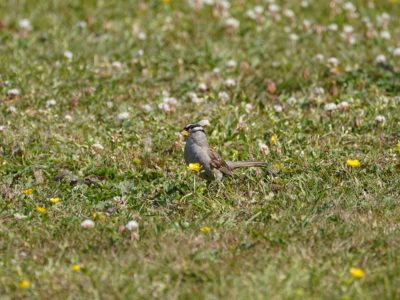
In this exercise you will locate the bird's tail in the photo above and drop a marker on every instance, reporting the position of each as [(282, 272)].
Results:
[(240, 164)]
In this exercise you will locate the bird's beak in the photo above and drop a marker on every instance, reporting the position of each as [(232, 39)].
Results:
[(185, 133)]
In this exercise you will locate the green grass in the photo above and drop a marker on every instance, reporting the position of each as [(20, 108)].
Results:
[(291, 236)]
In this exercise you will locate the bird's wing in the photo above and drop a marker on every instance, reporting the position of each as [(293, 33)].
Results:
[(218, 163)]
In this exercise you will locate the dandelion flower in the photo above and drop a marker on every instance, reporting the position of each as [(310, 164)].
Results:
[(357, 273), (55, 200), (76, 267), (354, 163), (273, 139), (205, 229), (24, 284), (194, 167), (87, 224), (28, 191), (132, 226), (41, 210)]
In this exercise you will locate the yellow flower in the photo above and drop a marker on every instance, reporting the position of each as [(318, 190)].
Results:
[(205, 229), (41, 210), (55, 200), (353, 163), (357, 273), (98, 215), (24, 284), (28, 191), (194, 167), (76, 267), (273, 139)]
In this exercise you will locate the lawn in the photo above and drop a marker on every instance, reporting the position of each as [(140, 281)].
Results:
[(96, 199)]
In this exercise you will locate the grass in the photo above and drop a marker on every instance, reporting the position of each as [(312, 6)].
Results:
[(291, 236)]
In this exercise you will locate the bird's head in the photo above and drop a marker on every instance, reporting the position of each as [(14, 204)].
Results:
[(191, 128)]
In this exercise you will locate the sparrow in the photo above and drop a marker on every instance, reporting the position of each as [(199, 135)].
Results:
[(197, 150)]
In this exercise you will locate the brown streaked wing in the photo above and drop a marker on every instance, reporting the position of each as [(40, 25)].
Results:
[(218, 163)]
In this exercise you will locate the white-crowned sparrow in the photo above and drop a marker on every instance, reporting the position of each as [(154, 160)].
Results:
[(197, 150)]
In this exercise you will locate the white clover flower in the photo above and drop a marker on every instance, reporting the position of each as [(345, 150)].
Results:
[(264, 149), (168, 104), (397, 99), (13, 92), (110, 104), (349, 6), (307, 23), (304, 4), (87, 224), (223, 96), (194, 98), (68, 54), (51, 102), (396, 51), (278, 108), (19, 216), (380, 59), (333, 27), (273, 8), (258, 9), (293, 37), (231, 64), (319, 91), (147, 107), (2, 128), (116, 65), (82, 24), (319, 57), (25, 24), (330, 107), (232, 23), (165, 107), (333, 62), (216, 70), (132, 226), (248, 107), (343, 105), (123, 116), (12, 109), (385, 35), (204, 122), (142, 36), (202, 87), (292, 101), (380, 119), (289, 13), (68, 118), (230, 82), (347, 29), (97, 146)]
